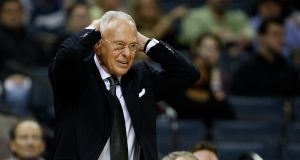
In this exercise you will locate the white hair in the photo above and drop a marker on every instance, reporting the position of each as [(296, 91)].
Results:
[(177, 154), (110, 15)]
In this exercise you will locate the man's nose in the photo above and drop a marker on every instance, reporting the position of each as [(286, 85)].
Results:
[(126, 52), (30, 142)]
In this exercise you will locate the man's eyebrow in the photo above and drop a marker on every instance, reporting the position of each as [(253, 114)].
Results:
[(120, 41)]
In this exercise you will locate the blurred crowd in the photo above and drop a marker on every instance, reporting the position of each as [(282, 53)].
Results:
[(244, 48)]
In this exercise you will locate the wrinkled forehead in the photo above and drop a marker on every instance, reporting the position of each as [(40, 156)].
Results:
[(119, 30), (28, 126)]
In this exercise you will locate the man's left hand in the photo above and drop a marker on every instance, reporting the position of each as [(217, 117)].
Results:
[(142, 40)]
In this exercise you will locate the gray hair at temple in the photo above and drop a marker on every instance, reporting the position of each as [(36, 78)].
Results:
[(183, 154), (110, 15)]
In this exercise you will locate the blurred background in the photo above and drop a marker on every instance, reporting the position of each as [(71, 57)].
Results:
[(247, 100)]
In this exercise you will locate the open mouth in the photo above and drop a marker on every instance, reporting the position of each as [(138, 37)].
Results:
[(123, 63)]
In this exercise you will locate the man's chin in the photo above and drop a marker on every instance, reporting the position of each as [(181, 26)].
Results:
[(121, 72), (30, 157)]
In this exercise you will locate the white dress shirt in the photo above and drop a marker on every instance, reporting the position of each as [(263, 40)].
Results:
[(133, 146)]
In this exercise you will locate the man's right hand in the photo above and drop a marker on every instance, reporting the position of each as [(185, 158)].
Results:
[(95, 24)]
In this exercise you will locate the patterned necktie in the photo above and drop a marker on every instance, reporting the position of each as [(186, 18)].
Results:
[(118, 140)]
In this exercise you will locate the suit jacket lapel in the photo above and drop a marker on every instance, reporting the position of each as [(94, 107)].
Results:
[(130, 90), (96, 73)]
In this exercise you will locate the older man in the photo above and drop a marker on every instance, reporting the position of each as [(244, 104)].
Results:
[(205, 151), (104, 106), (180, 155), (26, 141)]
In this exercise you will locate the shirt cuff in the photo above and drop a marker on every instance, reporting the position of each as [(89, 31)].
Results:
[(152, 43)]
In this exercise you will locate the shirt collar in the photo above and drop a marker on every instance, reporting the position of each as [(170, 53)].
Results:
[(104, 75)]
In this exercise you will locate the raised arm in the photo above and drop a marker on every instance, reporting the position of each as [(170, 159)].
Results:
[(178, 73), (66, 68)]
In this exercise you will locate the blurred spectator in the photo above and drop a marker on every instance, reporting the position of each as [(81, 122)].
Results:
[(206, 100), (17, 43), (26, 141), (292, 33), (277, 9), (6, 123), (180, 155), (153, 23), (207, 52), (231, 26), (17, 94), (28, 9), (266, 73), (78, 18), (68, 3), (205, 151), (46, 18), (47, 15), (20, 53), (267, 9), (101, 6)]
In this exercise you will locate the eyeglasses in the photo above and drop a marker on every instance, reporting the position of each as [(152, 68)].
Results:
[(120, 46)]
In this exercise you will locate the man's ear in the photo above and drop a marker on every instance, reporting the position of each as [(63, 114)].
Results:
[(42, 147), (12, 146), (97, 47), (261, 38)]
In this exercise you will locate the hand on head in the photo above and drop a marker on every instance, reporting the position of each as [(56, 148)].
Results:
[(117, 47), (142, 40), (95, 24)]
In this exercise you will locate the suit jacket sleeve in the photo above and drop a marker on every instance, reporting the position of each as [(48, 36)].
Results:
[(65, 70), (178, 73)]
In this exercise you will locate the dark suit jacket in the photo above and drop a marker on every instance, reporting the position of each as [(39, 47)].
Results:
[(83, 106)]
